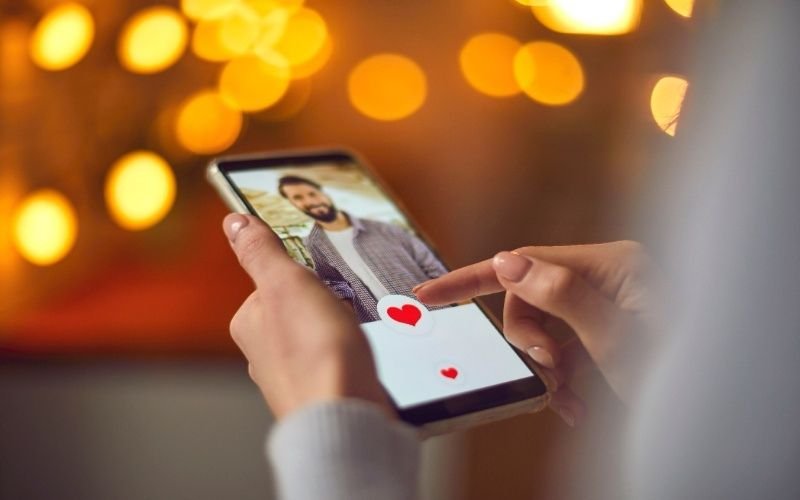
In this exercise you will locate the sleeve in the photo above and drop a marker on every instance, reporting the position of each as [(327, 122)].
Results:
[(330, 276), (425, 258), (345, 449)]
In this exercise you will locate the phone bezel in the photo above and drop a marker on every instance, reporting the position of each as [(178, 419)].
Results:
[(447, 408)]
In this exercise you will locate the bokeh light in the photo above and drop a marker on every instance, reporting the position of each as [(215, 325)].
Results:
[(197, 10), (590, 17), (62, 37), (207, 41), (666, 100), (206, 124), (387, 87), (153, 40), (45, 227), (140, 190), (487, 62), (291, 104), (682, 7), (265, 6), (548, 73), (303, 37), (253, 83), (240, 29), (314, 64), (273, 26)]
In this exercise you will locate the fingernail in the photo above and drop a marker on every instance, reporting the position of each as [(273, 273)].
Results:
[(233, 224), (566, 415), (510, 266), (541, 356), (419, 287)]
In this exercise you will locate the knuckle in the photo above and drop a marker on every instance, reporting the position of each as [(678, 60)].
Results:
[(557, 284)]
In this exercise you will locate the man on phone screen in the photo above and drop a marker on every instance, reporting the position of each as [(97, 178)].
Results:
[(360, 260)]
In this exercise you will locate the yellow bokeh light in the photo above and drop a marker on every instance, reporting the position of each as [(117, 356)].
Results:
[(387, 87), (62, 37), (682, 7), (264, 7), (253, 83), (590, 17), (153, 40), (315, 64), (291, 104), (197, 10), (273, 26), (140, 190), (207, 41), (303, 37), (45, 227), (487, 61), (206, 125), (666, 100), (549, 73), (240, 29)]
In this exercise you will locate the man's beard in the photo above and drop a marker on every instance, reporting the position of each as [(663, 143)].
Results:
[(328, 216)]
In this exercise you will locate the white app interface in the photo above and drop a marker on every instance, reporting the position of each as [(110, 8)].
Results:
[(427, 355)]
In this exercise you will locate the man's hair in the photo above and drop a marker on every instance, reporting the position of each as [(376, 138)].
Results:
[(291, 180)]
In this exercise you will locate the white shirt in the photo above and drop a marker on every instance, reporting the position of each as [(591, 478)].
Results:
[(343, 242)]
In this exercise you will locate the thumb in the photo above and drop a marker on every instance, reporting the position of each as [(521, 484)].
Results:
[(563, 293), (258, 248)]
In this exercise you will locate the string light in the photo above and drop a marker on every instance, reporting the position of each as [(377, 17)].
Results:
[(62, 37), (140, 190), (590, 17), (253, 83), (303, 37), (153, 40), (387, 87), (548, 73), (487, 62), (683, 7), (666, 100), (206, 125), (45, 227)]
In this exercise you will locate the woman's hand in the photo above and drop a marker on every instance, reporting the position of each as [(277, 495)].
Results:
[(303, 344), (599, 291)]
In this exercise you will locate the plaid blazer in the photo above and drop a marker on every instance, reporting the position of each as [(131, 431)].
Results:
[(399, 260)]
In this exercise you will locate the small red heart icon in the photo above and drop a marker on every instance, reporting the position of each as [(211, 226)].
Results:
[(449, 372), (408, 314)]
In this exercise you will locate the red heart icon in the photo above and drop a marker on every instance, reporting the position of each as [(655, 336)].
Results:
[(450, 372), (409, 314)]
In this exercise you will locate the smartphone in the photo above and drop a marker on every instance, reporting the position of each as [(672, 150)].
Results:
[(444, 368)]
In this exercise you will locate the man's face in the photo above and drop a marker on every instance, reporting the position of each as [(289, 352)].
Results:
[(311, 201)]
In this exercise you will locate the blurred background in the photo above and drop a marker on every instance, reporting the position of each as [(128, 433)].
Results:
[(498, 123)]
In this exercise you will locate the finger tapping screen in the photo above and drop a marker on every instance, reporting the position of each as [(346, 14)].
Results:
[(333, 218)]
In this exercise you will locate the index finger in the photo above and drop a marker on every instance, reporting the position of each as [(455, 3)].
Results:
[(462, 284), (593, 262)]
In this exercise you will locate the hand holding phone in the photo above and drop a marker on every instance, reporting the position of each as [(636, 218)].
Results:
[(296, 360)]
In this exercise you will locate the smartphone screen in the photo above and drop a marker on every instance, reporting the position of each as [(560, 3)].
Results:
[(333, 217)]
